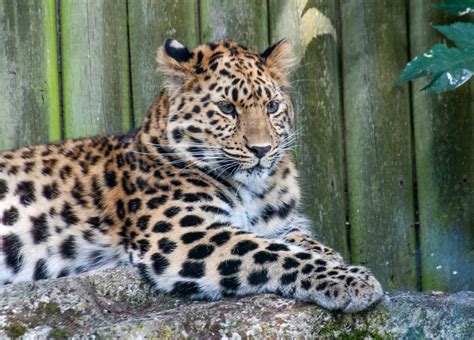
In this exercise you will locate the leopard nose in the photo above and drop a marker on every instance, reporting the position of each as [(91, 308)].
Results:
[(259, 150)]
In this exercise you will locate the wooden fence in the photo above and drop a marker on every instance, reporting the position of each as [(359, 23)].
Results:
[(386, 171)]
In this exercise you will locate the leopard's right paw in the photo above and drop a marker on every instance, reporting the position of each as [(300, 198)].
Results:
[(349, 289)]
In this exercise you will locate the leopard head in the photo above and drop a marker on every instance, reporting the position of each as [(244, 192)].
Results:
[(228, 108)]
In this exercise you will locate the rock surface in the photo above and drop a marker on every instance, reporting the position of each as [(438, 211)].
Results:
[(115, 303)]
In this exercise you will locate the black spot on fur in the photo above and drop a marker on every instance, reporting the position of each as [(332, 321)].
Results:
[(278, 247), (230, 283), (321, 286), (177, 134), (68, 248), (120, 209), (290, 263), (303, 256), (307, 269), (155, 202), (214, 210), (229, 267), (286, 279), (257, 278), (192, 236), (221, 238), (161, 227), (51, 191), (110, 178), (64, 272), (68, 215), (144, 246), (40, 230), (305, 284), (243, 247), (193, 269), (185, 288), (320, 269), (26, 191), (191, 221), (3, 189), (166, 245), (10, 216), (145, 274), (41, 271), (134, 205), (171, 212), (143, 221), (201, 251), (12, 247), (263, 256), (320, 262), (160, 263), (197, 182)]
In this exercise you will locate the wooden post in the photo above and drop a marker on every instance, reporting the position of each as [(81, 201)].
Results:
[(29, 95), (316, 96), (245, 21), (378, 140), (94, 66), (150, 23), (444, 146)]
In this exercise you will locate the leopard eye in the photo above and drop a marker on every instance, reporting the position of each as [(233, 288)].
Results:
[(273, 106), (226, 107)]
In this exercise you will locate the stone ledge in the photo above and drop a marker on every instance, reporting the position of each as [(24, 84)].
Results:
[(115, 303)]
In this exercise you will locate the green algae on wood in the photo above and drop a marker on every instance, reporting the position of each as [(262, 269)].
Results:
[(150, 23), (444, 149), (29, 95), (95, 73), (244, 21), (378, 140), (316, 96)]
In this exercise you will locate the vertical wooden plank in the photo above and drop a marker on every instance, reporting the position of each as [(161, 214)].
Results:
[(245, 21), (444, 145), (29, 96), (94, 66), (378, 140), (150, 23), (316, 95)]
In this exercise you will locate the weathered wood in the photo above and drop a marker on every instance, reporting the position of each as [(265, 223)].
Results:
[(444, 145), (316, 97), (245, 21), (378, 142), (150, 23), (94, 66), (29, 96)]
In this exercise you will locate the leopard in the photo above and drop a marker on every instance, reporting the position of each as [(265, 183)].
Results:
[(203, 198)]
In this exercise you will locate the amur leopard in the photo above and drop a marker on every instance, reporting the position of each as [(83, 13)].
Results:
[(203, 199)]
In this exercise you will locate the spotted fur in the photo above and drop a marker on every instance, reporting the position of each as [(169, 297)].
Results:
[(203, 198)]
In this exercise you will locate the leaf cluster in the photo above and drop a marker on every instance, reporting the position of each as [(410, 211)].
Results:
[(449, 67)]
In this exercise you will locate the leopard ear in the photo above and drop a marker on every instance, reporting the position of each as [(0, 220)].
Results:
[(174, 62), (279, 57)]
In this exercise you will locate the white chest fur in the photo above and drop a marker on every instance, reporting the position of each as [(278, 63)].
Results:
[(247, 215)]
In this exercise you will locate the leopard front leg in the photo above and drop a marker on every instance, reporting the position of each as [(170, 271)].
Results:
[(304, 239), (297, 230), (215, 263)]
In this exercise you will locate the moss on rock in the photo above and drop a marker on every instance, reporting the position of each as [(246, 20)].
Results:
[(115, 303)]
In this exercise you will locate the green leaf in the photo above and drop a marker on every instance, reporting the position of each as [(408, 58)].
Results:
[(449, 67), (457, 7), (461, 33), (448, 80)]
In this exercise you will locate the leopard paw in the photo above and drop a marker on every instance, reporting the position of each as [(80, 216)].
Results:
[(349, 289)]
